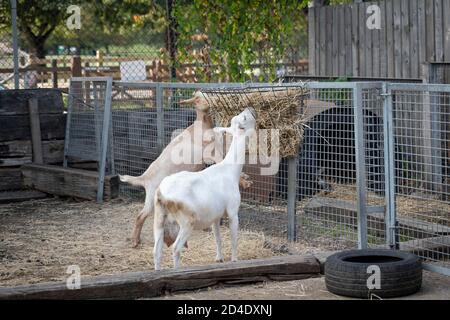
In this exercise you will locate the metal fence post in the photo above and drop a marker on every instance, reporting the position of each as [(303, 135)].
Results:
[(15, 43), (105, 136), (159, 116), (68, 123), (292, 199), (361, 179), (389, 167)]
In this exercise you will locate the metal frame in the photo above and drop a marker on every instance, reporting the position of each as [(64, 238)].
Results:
[(106, 130)]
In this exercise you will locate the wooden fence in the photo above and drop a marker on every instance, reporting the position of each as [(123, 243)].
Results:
[(412, 33), (57, 72)]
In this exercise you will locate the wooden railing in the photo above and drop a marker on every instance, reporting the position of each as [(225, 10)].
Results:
[(58, 71)]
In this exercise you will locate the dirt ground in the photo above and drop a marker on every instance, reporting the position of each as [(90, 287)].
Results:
[(40, 239), (434, 287)]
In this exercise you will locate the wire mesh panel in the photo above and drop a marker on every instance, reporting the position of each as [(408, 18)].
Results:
[(421, 130), (87, 128), (327, 170), (134, 131)]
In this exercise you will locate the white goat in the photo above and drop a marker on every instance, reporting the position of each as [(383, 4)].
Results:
[(197, 200), (193, 140)]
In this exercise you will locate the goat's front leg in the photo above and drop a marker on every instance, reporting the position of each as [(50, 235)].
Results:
[(184, 234), (234, 226), (216, 230)]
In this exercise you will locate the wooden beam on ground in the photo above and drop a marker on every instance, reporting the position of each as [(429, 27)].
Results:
[(20, 195), (152, 284), (68, 181), (10, 179)]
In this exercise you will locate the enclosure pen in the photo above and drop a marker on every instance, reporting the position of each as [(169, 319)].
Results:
[(372, 168)]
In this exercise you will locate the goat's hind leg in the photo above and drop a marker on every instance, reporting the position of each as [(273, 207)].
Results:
[(185, 232), (216, 230), (158, 234), (143, 215)]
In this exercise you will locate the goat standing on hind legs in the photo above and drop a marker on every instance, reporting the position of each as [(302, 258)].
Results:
[(197, 200), (164, 165)]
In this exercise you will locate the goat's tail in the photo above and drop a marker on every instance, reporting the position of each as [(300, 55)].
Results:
[(134, 181)]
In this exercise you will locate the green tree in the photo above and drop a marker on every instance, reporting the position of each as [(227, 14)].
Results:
[(37, 21), (239, 33)]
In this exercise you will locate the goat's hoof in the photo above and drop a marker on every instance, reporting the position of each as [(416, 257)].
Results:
[(234, 259), (135, 244), (219, 260)]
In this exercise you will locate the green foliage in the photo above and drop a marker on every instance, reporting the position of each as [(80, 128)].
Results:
[(42, 24), (239, 32)]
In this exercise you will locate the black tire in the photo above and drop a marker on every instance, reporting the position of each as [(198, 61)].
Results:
[(346, 273)]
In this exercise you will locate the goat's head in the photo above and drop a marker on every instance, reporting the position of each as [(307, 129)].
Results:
[(242, 124), (198, 100)]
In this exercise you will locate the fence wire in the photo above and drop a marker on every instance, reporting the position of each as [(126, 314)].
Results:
[(421, 132)]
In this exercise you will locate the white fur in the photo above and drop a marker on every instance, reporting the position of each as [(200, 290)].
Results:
[(205, 196)]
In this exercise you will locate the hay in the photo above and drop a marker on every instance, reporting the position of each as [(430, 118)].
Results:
[(40, 239), (277, 108)]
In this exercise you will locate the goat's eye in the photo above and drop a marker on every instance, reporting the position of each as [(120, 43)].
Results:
[(245, 118)]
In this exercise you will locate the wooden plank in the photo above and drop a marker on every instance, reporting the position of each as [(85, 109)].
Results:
[(322, 27), (390, 39), (312, 41), (446, 29), (20, 195), (317, 41), (17, 161), (429, 23), (20, 152), (10, 179), (17, 148), (405, 34), (414, 39), (422, 36), (15, 102), (355, 41), (335, 25), (439, 33), (362, 39), (369, 50), (152, 284), (17, 127), (383, 40), (348, 41), (35, 126), (342, 43), (67, 181), (329, 41), (376, 50), (397, 20)]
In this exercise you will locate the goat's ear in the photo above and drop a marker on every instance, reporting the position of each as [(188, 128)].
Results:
[(187, 101)]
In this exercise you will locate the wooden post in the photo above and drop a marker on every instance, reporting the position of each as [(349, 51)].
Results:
[(55, 73), (35, 127), (76, 66), (99, 57)]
